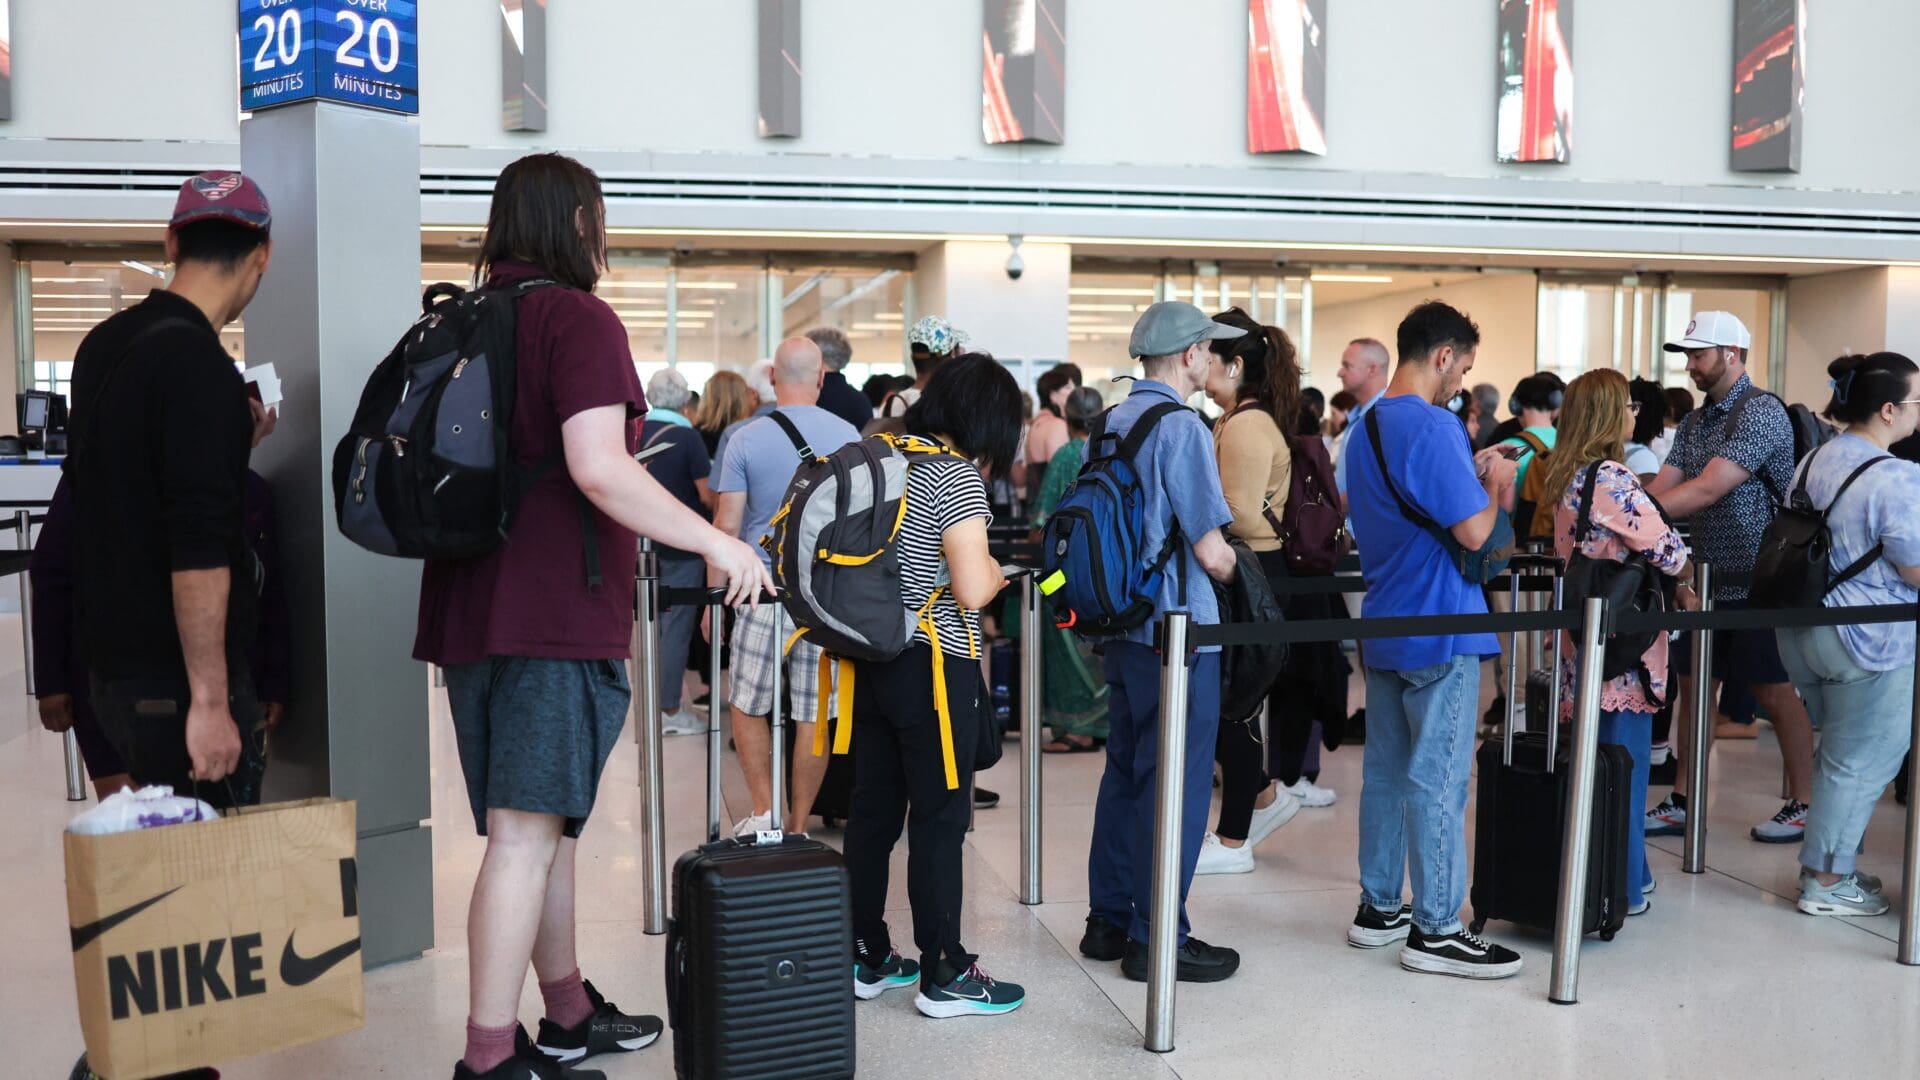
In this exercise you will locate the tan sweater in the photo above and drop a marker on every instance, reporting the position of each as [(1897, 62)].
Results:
[(1255, 465)]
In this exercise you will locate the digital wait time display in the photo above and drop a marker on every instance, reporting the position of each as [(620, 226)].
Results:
[(360, 52)]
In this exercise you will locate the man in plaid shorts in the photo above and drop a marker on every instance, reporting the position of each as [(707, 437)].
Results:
[(752, 482)]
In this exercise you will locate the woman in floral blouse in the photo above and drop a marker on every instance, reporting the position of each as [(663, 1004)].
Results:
[(1596, 419)]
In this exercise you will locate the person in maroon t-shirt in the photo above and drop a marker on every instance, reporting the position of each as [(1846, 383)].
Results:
[(533, 653)]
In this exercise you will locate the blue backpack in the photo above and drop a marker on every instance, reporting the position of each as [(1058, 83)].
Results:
[(1100, 580)]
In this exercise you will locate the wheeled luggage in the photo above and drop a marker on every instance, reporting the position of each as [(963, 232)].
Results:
[(1519, 828), (760, 952)]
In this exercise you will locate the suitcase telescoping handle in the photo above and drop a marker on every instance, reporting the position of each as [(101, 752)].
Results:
[(1555, 566), (777, 724)]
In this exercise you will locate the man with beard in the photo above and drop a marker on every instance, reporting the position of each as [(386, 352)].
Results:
[(1731, 465)]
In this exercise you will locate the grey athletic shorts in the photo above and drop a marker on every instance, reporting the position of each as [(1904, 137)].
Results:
[(535, 734)]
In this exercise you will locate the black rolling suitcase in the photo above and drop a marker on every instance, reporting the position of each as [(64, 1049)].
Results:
[(760, 954), (1519, 830)]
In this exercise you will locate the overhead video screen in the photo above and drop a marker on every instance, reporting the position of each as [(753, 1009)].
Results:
[(1286, 76), (1536, 81), (1024, 71), (1769, 83)]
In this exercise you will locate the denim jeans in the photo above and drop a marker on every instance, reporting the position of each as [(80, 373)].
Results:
[(1634, 730), (1413, 798), (1865, 721), (1120, 864), (677, 626)]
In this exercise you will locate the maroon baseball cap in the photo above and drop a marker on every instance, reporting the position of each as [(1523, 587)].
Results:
[(222, 194)]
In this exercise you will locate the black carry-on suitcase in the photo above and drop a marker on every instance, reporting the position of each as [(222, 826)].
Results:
[(760, 949), (1519, 831)]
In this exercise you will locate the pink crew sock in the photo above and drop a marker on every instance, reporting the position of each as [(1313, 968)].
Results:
[(567, 1001), (487, 1047)]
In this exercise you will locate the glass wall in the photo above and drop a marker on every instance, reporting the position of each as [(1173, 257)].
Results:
[(1587, 322), (65, 298)]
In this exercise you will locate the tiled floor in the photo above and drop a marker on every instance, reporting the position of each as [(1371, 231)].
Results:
[(1723, 977)]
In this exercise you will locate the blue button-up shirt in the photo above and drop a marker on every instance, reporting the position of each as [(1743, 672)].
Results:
[(1181, 484), (1358, 414)]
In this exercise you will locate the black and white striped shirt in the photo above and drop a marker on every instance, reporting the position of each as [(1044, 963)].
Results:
[(942, 492)]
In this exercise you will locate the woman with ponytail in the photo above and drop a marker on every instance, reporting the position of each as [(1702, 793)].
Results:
[(1858, 680)]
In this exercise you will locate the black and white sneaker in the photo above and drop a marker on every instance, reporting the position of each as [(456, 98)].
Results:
[(1375, 929), (985, 799), (527, 1063), (607, 1031), (1462, 953)]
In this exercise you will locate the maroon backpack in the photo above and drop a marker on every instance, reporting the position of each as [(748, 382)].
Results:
[(1312, 530)]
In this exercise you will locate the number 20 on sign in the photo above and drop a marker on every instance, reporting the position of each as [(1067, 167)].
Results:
[(360, 52)]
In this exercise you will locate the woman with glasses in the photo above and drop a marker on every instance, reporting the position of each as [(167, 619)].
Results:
[(1621, 520), (1858, 680)]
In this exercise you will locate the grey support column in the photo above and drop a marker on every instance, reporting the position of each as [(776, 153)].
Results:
[(780, 71), (343, 286)]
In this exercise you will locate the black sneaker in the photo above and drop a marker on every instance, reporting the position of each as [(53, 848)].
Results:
[(607, 1031), (527, 1063), (971, 993), (1375, 929), (1461, 953), (1199, 962), (1103, 940), (871, 977), (984, 799), (82, 1072)]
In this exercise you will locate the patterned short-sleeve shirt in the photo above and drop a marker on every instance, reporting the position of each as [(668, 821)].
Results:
[(1727, 534)]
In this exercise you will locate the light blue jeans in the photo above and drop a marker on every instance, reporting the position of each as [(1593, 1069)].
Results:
[(1413, 799), (1865, 723)]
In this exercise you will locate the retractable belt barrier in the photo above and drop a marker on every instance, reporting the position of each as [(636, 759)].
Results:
[(1179, 637)]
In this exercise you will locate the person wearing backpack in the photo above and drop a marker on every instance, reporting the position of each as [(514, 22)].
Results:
[(1073, 692), (1731, 463), (968, 415), (1409, 457), (1253, 379), (751, 487), (681, 465), (1181, 511), (534, 648), (1858, 680), (1536, 404), (1601, 513)]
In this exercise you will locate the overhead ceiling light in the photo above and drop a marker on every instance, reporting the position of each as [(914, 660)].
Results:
[(1353, 279), (136, 264), (69, 281), (1102, 290)]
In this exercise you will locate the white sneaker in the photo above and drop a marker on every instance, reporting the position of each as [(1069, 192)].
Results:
[(1311, 794), (754, 823), (1276, 814), (1218, 858), (682, 722)]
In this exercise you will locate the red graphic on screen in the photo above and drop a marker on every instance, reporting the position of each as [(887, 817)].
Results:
[(1536, 81), (1286, 76), (1768, 84)]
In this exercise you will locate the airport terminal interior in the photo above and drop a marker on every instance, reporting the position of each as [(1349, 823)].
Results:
[(775, 167)]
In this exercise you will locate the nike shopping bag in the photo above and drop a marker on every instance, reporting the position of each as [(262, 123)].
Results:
[(200, 943)]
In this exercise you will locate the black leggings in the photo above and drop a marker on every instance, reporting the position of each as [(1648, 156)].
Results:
[(1242, 776), (899, 779)]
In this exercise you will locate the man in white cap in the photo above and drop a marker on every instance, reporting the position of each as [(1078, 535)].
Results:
[(1731, 464), (1182, 503)]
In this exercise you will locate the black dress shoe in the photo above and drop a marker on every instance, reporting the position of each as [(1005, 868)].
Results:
[(1199, 962), (1103, 940)]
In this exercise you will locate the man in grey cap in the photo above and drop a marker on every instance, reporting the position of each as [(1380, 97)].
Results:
[(1182, 502)]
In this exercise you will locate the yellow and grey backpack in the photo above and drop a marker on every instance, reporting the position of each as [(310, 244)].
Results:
[(835, 560)]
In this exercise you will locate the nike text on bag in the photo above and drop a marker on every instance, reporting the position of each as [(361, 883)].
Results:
[(835, 560), (1794, 567), (203, 943), (1100, 578), (427, 470)]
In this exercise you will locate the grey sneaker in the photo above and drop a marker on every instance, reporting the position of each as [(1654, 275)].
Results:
[(1845, 897), (1788, 826), (682, 722)]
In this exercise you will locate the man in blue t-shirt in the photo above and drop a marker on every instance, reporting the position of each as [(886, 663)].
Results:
[(1180, 485), (754, 471), (1422, 692)]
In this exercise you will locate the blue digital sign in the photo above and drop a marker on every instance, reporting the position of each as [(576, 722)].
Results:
[(360, 52)]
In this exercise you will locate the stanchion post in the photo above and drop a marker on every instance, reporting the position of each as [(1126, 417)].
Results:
[(76, 770), (1693, 849), (1553, 701), (1164, 925), (716, 630), (23, 539), (1909, 953), (646, 722), (1577, 842), (1030, 646)]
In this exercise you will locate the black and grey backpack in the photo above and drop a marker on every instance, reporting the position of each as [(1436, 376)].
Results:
[(427, 469)]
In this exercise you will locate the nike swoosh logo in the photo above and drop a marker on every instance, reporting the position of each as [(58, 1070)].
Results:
[(84, 935), (981, 996), (297, 970)]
